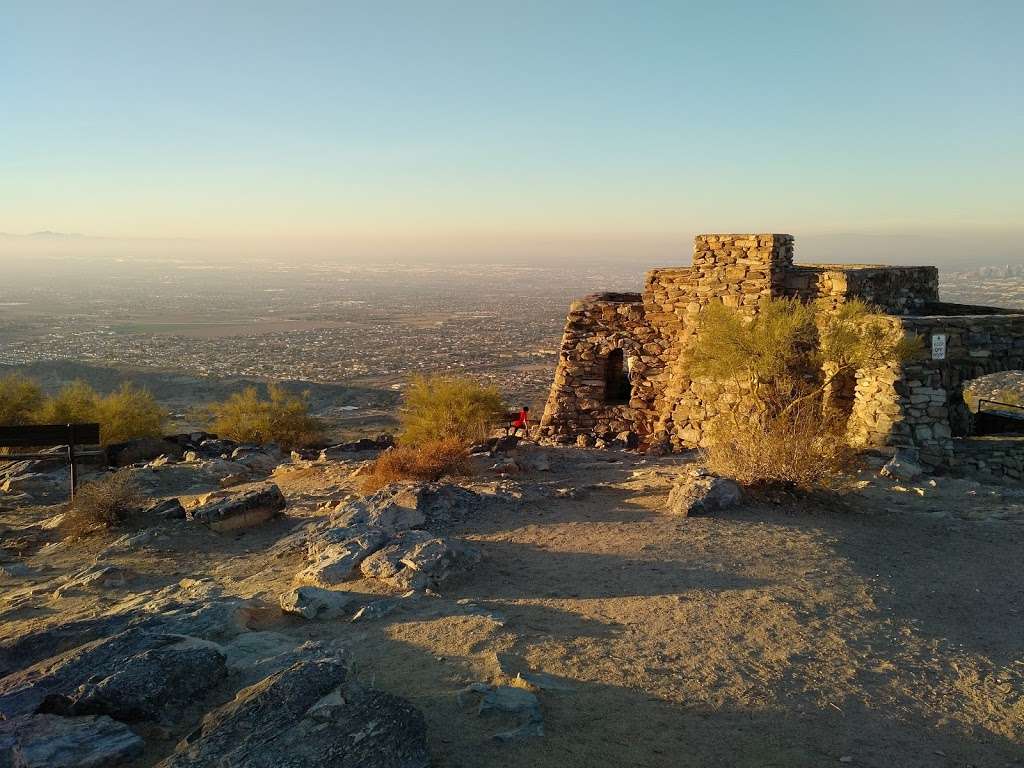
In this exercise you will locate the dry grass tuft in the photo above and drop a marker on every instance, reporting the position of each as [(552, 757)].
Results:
[(102, 505), (426, 462), (803, 449)]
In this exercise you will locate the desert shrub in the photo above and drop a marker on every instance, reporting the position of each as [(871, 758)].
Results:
[(20, 399), (102, 504), (75, 403), (282, 418), (802, 448), (439, 407), (427, 461), (784, 429), (128, 413)]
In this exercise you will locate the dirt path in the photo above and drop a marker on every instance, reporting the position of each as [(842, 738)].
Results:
[(765, 636)]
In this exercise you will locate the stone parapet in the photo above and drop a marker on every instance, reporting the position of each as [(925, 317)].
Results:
[(896, 290)]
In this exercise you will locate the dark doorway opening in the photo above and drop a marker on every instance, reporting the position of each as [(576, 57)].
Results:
[(617, 387)]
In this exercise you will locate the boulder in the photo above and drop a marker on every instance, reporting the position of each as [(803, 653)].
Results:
[(306, 715), (385, 563), (342, 450), (904, 465), (39, 485), (140, 450), (153, 685), (379, 512), (256, 458), (699, 492), (240, 510), (50, 741), (315, 603), (22, 692), (517, 703), (338, 553)]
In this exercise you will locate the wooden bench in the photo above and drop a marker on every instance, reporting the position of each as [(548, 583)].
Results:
[(51, 435)]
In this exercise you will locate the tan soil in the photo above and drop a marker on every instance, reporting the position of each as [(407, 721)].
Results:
[(886, 627)]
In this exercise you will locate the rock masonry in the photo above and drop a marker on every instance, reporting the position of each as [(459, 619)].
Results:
[(641, 337)]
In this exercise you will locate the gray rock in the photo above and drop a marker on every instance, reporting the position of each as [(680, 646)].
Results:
[(14, 570), (698, 492), (385, 563), (315, 603), (340, 561), (378, 609), (140, 450), (255, 458), (153, 685), (535, 461), (904, 465), (38, 484), (307, 715), (165, 509), (382, 512), (241, 510), (22, 692), (49, 741), (93, 577), (518, 703)]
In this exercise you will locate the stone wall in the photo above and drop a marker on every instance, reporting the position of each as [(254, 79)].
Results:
[(999, 456), (921, 403), (895, 290)]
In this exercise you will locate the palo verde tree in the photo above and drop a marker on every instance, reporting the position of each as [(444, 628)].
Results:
[(783, 362)]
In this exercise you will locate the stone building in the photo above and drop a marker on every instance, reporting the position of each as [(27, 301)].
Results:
[(620, 366)]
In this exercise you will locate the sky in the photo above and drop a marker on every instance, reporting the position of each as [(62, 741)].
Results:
[(508, 122)]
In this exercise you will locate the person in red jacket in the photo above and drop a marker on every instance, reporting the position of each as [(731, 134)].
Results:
[(522, 421)]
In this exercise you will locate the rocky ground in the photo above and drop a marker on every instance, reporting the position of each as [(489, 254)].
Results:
[(555, 612)]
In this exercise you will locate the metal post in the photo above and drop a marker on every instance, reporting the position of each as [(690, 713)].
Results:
[(71, 459)]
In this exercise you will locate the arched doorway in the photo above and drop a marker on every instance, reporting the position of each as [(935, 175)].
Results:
[(617, 386)]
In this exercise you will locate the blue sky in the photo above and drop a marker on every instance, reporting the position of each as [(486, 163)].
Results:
[(487, 119)]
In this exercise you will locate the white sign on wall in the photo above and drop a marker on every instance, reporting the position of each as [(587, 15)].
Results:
[(938, 346)]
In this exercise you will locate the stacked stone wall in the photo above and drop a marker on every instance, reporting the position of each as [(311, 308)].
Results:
[(895, 290), (595, 327), (999, 456), (921, 402)]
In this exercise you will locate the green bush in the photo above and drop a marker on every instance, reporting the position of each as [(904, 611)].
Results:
[(20, 399), (124, 414), (128, 413), (441, 407), (282, 418), (75, 403)]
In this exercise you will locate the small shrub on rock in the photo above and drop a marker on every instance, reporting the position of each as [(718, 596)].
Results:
[(426, 462), (102, 504), (281, 418)]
